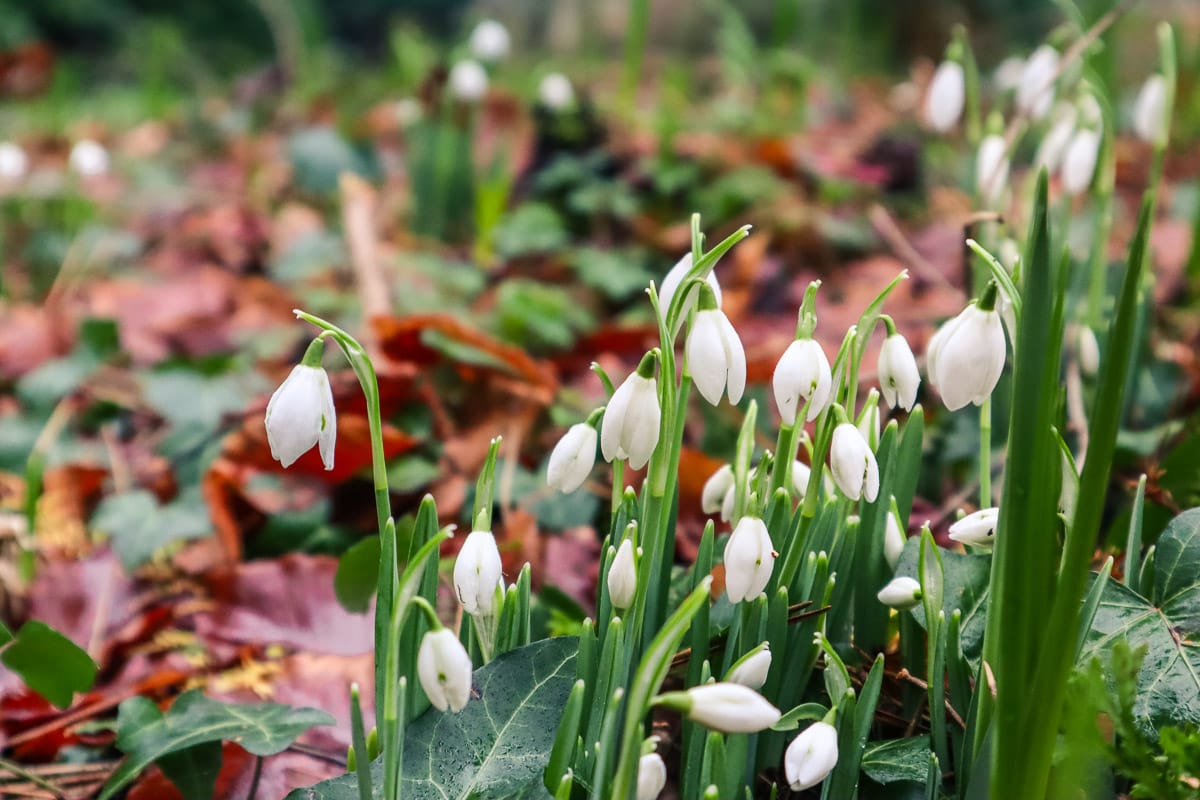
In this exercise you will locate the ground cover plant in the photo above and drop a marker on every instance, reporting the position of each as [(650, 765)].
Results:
[(502, 424)]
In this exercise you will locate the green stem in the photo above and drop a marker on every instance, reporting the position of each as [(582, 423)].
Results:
[(985, 453)]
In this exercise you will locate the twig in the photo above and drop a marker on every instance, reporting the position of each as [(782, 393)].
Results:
[(258, 761), (885, 225), (358, 221), (37, 780), (905, 675)]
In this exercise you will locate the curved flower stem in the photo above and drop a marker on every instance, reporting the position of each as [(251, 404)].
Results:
[(985, 453)]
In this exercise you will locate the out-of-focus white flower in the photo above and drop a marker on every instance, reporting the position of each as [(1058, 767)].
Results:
[(408, 111), (899, 377), (478, 573), (991, 169), (572, 459), (749, 559), (1090, 112), (966, 356), (731, 708), (893, 540), (632, 419), (301, 414), (978, 529), (13, 162), (1079, 162), (802, 373), (671, 284), (901, 593), (1054, 143), (852, 463), (468, 81), (1150, 110), (715, 488), (1035, 94), (716, 358), (1089, 351), (555, 92), (651, 777), (88, 158), (1007, 76), (947, 93), (490, 41), (811, 756), (444, 670), (752, 671), (622, 576)]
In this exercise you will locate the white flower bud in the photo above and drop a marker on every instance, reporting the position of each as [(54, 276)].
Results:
[(715, 357), (572, 459), (966, 356), (1035, 94), (899, 378), (301, 414), (852, 463), (1079, 162), (671, 284), (1150, 110), (731, 708), (13, 162), (468, 81), (88, 158), (622, 577), (715, 488), (978, 529), (893, 540), (631, 421), (752, 672), (1054, 143), (555, 92), (801, 474), (991, 169), (477, 574), (490, 41), (1089, 351), (651, 776), (811, 756), (749, 559), (947, 93), (444, 669), (901, 593), (868, 424), (802, 372)]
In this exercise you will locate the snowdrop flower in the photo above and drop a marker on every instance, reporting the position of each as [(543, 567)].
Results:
[(718, 485), (651, 776), (731, 708), (802, 374), (572, 459), (477, 574), (671, 284), (622, 576), (555, 92), (893, 540), (899, 378), (868, 423), (468, 81), (408, 111), (749, 559), (1035, 94), (1149, 110), (1079, 162), (632, 420), (751, 670), (991, 168), (811, 756), (966, 356), (1054, 143), (490, 41), (301, 414), (88, 158), (13, 162), (854, 468), (901, 593), (1007, 76), (947, 94), (978, 529), (715, 356), (1089, 351), (444, 669)]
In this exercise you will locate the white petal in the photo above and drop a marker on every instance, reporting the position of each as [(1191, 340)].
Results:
[(706, 357), (735, 355), (715, 489)]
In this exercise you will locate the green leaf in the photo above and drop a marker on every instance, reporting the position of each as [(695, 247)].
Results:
[(357, 575), (496, 747), (139, 526), (6, 635), (48, 662), (897, 760), (530, 228), (194, 770), (262, 729), (319, 155)]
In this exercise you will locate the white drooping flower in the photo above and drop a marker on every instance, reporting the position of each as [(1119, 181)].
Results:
[(490, 41), (1035, 94), (901, 593), (14, 163), (478, 573), (978, 529), (632, 419), (715, 356), (1054, 143), (991, 169), (731, 708), (811, 756), (622, 576), (468, 81), (802, 373), (899, 377), (966, 356), (671, 284), (444, 670), (1150, 110), (572, 459), (749, 559), (752, 672), (1089, 351), (555, 92), (301, 414), (893, 540), (1007, 76), (947, 94), (651, 776), (719, 484), (88, 158), (1079, 162), (852, 463)]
